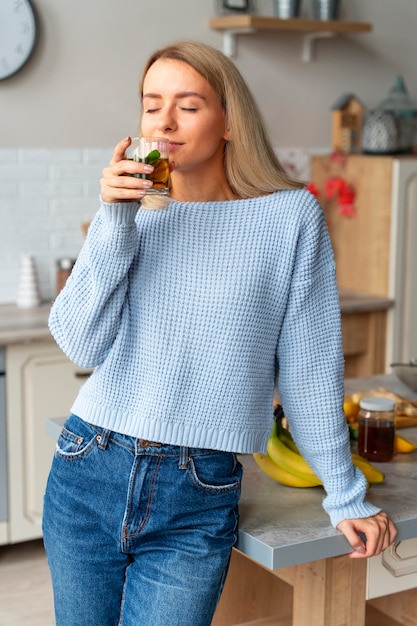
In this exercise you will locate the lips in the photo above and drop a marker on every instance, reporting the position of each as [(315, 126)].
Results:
[(174, 144)]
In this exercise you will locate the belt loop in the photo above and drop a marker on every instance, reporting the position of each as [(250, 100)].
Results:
[(103, 438), (183, 457)]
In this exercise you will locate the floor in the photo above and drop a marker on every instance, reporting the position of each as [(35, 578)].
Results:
[(25, 587), (26, 594)]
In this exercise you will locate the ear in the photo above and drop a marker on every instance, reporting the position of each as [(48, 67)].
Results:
[(227, 135)]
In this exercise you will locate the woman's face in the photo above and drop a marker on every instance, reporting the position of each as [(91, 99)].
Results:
[(180, 105)]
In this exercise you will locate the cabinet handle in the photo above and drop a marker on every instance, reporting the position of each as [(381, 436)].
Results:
[(400, 562)]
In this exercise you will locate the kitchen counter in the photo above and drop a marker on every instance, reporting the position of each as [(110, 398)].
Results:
[(286, 541), (274, 528), (17, 324)]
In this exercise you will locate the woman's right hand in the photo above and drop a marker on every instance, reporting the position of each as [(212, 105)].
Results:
[(116, 184)]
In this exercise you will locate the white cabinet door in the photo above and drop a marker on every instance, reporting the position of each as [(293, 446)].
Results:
[(402, 327), (392, 571), (41, 383)]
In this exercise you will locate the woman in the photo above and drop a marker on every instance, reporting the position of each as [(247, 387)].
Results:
[(188, 314)]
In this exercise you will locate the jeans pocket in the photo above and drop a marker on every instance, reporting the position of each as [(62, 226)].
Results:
[(215, 472), (76, 440)]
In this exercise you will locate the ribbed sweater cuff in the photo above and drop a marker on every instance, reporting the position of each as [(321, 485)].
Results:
[(120, 213), (357, 510)]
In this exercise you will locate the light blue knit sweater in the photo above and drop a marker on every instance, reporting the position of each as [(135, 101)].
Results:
[(188, 314)]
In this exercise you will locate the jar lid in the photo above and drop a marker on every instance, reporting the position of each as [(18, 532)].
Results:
[(377, 404)]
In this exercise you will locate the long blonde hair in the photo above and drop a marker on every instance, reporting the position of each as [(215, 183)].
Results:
[(251, 165)]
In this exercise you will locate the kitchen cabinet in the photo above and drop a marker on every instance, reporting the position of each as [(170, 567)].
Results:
[(41, 383), (364, 321), (3, 450), (363, 337), (376, 250), (234, 25)]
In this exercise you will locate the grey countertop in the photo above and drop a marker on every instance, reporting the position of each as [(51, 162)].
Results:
[(18, 325)]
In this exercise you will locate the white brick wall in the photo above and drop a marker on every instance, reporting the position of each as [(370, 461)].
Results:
[(45, 195)]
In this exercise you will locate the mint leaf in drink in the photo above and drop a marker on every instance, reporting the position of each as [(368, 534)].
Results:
[(153, 157)]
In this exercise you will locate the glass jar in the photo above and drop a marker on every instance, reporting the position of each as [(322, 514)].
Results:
[(376, 434)]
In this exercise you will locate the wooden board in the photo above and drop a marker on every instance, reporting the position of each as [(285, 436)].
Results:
[(361, 244), (257, 22)]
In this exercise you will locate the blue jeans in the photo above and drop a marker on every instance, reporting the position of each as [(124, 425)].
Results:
[(137, 534)]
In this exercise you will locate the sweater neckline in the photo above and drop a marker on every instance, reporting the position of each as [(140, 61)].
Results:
[(234, 202)]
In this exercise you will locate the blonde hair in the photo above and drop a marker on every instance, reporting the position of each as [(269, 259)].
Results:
[(251, 165)]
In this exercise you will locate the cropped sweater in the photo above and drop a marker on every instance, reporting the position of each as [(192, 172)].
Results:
[(190, 314)]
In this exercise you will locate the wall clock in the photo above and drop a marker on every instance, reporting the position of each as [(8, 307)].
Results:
[(18, 35)]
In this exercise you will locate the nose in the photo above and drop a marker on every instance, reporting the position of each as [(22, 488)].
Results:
[(167, 121)]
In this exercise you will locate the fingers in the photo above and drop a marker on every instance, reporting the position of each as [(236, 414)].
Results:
[(123, 188), (120, 149), (348, 529), (124, 180), (369, 536)]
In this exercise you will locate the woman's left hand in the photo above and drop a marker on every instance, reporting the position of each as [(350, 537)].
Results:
[(379, 531)]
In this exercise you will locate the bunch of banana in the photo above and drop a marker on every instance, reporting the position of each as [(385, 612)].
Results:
[(284, 463)]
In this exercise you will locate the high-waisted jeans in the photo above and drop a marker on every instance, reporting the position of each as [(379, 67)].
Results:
[(137, 534)]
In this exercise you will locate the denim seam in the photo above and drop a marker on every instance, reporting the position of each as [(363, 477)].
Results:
[(126, 535)]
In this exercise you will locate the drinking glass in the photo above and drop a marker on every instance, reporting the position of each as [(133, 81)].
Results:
[(155, 151)]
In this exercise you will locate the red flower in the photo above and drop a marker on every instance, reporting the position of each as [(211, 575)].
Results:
[(332, 187), (336, 188), (348, 210), (338, 157), (313, 189)]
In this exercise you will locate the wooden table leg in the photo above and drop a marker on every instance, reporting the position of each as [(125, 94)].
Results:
[(329, 592)]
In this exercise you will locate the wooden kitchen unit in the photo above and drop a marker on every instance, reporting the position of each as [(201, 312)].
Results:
[(41, 382), (364, 327), (375, 248), (361, 244)]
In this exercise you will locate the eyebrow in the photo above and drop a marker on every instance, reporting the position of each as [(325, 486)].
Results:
[(181, 94)]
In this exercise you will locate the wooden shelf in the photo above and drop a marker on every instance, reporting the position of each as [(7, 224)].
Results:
[(233, 25)]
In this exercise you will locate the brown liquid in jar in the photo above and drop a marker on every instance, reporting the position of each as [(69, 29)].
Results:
[(376, 431), (376, 440)]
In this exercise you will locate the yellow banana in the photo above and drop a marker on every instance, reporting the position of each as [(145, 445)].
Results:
[(276, 472), (286, 438), (290, 461), (403, 445), (371, 473), (283, 452), (278, 430)]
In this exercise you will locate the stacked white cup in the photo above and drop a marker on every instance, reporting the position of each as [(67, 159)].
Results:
[(28, 292)]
